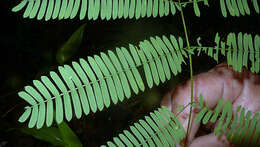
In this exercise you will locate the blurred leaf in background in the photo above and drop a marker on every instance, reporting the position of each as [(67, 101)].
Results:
[(69, 137), (51, 135), (61, 136), (69, 48)]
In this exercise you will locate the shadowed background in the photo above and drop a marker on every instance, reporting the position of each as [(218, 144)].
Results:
[(29, 49)]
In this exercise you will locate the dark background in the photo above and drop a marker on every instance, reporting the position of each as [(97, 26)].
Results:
[(29, 48)]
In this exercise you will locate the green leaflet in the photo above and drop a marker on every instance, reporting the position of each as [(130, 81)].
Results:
[(74, 94), (217, 39), (147, 70), (69, 9), (240, 51), (172, 127), (109, 81), (42, 10), (47, 96), (35, 9), (75, 9), (79, 85), (152, 65), (156, 117), (251, 129), (120, 9), (28, 9), (196, 8), (236, 138), (56, 9), (116, 79), (156, 130), (257, 53), (175, 67), (145, 134), (159, 65), (207, 117), (240, 7), (89, 89), (257, 132), (138, 136), (246, 125), (19, 6), (98, 96), (125, 140), (62, 9), (118, 142), (128, 71), (176, 47), (223, 8), (49, 10), (38, 98), (83, 9), (103, 10), (255, 4), (96, 9), (25, 115), (131, 137), (132, 65), (122, 75), (138, 9), (165, 65), (103, 85), (143, 9), (161, 8), (66, 98), (150, 132), (200, 115), (58, 101)]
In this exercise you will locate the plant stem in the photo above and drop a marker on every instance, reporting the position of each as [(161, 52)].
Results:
[(191, 74)]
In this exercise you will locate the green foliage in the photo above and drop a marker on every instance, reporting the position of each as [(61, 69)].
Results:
[(162, 128), (61, 136), (70, 139), (70, 47), (239, 129), (92, 9), (159, 129), (94, 84), (88, 80), (239, 49), (47, 134), (237, 7), (105, 9)]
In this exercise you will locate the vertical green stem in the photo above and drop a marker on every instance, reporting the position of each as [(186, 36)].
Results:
[(191, 73)]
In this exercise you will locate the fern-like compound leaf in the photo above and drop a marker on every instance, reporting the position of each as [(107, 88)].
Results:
[(241, 50), (161, 128), (94, 84), (237, 7), (239, 127), (93, 9)]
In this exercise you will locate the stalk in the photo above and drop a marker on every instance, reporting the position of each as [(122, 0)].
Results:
[(191, 74)]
